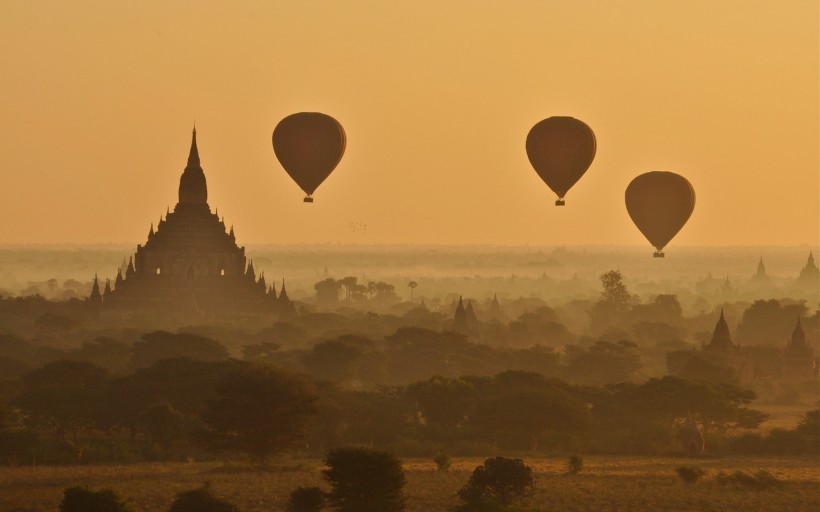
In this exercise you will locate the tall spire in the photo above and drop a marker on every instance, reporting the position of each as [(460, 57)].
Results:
[(95, 291), (798, 336), (192, 186), (761, 268), (193, 155)]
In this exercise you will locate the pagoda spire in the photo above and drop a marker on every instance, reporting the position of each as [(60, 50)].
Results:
[(721, 337), (193, 154), (95, 291), (192, 186), (798, 340)]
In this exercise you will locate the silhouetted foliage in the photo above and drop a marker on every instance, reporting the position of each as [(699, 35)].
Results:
[(83, 499), (443, 462), (575, 464), (63, 395), (305, 499), (603, 363), (689, 474), (768, 322), (258, 410), (499, 481), (364, 480), (201, 500), (159, 345)]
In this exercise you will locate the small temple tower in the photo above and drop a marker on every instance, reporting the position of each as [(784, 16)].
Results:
[(460, 322), (798, 357), (723, 352), (808, 282)]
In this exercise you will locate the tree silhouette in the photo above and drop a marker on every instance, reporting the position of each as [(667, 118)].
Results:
[(258, 410), (412, 285)]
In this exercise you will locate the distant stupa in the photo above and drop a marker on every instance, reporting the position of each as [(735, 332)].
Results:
[(460, 322), (808, 282), (798, 357)]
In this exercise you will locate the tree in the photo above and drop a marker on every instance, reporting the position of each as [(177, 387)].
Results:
[(63, 395), (364, 480), (520, 409), (498, 482), (327, 292), (305, 499), (612, 307), (258, 410), (83, 499), (604, 363), (443, 402), (201, 500), (412, 285), (768, 322), (159, 345), (539, 327), (336, 360)]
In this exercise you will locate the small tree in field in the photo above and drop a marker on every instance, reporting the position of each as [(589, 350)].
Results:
[(83, 499), (498, 482), (689, 474), (575, 464), (306, 499), (201, 500), (364, 480), (443, 462)]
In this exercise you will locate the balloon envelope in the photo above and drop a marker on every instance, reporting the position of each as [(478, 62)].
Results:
[(309, 145), (660, 203), (561, 150)]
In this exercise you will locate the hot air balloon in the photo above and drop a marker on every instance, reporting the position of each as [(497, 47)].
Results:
[(560, 150), (309, 145), (660, 203)]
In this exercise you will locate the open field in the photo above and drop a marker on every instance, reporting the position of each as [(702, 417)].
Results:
[(606, 484)]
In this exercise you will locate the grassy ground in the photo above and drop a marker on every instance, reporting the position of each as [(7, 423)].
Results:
[(605, 484)]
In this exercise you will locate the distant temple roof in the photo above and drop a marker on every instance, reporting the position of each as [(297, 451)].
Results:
[(721, 338)]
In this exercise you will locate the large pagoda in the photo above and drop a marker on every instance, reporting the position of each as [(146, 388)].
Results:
[(190, 263)]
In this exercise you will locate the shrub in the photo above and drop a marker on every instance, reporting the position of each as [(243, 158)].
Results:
[(443, 462), (689, 474), (306, 499), (364, 480), (201, 500), (575, 464), (83, 499), (760, 481), (498, 482)]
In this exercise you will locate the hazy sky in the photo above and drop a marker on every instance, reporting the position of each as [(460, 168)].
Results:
[(97, 100)]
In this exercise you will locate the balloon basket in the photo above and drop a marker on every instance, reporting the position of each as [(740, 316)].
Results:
[(307, 199), (659, 254), (559, 202)]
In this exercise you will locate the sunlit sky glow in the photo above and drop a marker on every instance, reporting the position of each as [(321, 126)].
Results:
[(98, 99)]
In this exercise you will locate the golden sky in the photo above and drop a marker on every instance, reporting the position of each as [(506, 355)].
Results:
[(97, 100)]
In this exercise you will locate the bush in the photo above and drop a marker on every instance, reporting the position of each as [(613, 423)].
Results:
[(201, 500), (364, 480), (575, 464), (760, 481), (83, 499), (306, 499), (497, 483), (689, 474), (443, 462)]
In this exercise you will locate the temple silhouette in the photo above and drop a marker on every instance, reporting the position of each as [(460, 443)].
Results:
[(191, 264)]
